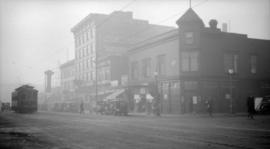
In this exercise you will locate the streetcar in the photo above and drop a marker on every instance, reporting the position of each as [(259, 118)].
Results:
[(24, 99)]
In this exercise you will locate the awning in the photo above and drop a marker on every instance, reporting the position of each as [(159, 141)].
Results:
[(115, 94)]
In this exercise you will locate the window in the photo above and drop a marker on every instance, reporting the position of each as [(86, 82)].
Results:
[(83, 39), (253, 64), (80, 51), (189, 37), (230, 62), (146, 67), (76, 42), (134, 70), (89, 76), (190, 85), (88, 63), (84, 51), (87, 50), (87, 36), (161, 64), (90, 49), (107, 73), (190, 61), (79, 40)]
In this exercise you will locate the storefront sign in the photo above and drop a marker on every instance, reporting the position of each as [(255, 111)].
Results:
[(195, 99), (227, 96), (142, 91)]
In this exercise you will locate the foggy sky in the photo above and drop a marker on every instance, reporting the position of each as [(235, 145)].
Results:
[(35, 34)]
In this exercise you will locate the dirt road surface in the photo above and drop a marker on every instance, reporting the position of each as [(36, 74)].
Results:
[(47, 130)]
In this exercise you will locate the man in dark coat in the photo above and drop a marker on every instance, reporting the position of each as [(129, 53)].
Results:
[(81, 108), (209, 104), (250, 107)]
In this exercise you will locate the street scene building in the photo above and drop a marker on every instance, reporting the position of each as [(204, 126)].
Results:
[(195, 63), (182, 68), (67, 76), (101, 43), (135, 74)]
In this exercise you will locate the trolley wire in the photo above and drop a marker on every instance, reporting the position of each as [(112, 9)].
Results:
[(110, 16), (163, 20), (142, 30)]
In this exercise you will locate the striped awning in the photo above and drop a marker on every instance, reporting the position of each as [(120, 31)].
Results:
[(115, 94)]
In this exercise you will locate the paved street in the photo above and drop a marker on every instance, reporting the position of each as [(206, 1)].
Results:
[(74, 131)]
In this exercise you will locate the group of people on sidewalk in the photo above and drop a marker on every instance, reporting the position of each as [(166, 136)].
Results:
[(250, 107), (153, 106)]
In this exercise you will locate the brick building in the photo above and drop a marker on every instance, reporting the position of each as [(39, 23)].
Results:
[(67, 76), (98, 38), (194, 63)]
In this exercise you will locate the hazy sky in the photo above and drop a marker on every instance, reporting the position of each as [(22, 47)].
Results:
[(35, 34)]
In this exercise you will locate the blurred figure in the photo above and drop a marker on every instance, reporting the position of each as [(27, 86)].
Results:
[(137, 100), (156, 106), (250, 107), (81, 108), (149, 99), (209, 106)]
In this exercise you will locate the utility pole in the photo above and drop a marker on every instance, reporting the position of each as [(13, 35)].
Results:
[(231, 72), (96, 73)]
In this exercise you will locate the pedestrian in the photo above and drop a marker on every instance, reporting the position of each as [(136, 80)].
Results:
[(137, 100), (149, 99), (250, 107), (156, 106), (209, 106), (81, 108)]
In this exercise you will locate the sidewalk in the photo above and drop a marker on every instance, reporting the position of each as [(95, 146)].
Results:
[(191, 115)]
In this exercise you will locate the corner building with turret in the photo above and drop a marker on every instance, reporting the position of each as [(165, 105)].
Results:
[(194, 63)]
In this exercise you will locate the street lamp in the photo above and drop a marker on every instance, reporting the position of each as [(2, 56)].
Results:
[(157, 98), (156, 81), (231, 72)]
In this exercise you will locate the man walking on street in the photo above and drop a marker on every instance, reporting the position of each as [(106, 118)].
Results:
[(81, 108), (209, 104), (250, 107)]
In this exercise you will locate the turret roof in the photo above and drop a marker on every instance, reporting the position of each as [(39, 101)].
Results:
[(189, 16)]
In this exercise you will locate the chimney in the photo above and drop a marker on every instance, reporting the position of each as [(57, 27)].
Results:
[(213, 24), (48, 79), (224, 27)]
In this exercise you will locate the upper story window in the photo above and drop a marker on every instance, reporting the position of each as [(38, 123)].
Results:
[(135, 70), (87, 35), (253, 64), (146, 67), (231, 62), (190, 61), (161, 64), (189, 37)]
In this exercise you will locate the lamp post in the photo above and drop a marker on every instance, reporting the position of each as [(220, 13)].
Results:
[(157, 98), (231, 72)]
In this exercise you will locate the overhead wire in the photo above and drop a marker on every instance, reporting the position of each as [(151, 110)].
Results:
[(164, 20), (147, 27), (110, 16), (100, 24)]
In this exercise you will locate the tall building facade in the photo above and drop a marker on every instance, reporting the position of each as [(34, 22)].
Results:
[(98, 36)]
